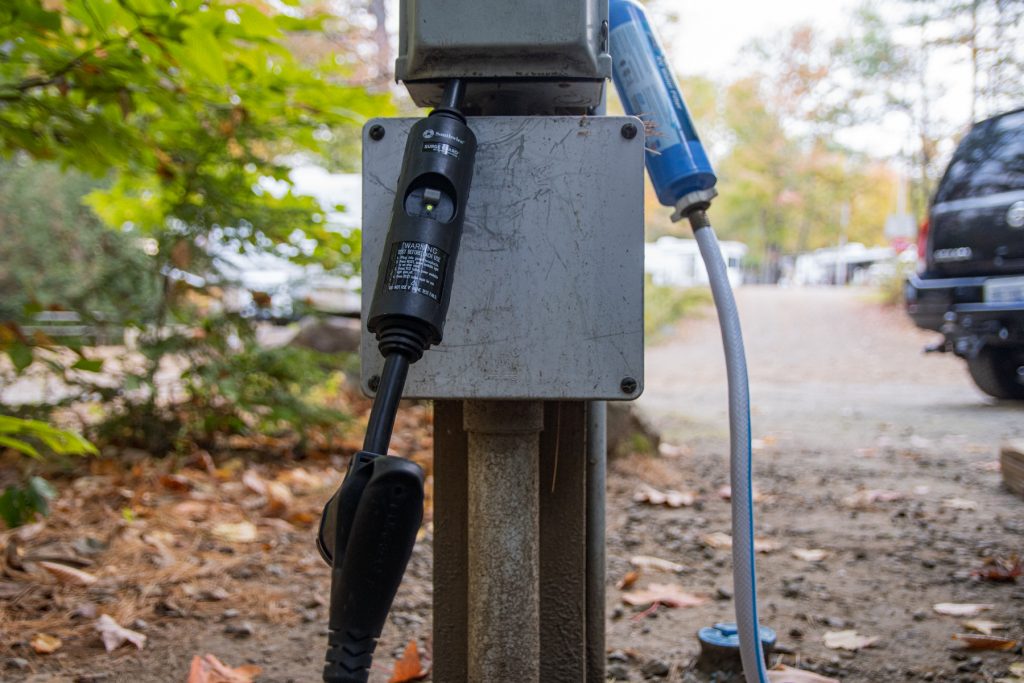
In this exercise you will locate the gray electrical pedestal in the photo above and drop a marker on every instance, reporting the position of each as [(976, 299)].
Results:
[(545, 324)]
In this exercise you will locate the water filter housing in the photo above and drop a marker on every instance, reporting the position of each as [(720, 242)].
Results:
[(676, 160)]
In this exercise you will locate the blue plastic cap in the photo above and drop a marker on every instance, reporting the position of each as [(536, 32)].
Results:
[(726, 635)]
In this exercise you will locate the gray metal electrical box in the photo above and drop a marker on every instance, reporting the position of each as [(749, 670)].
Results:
[(542, 55), (547, 298)]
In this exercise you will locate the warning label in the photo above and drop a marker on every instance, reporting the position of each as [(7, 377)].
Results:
[(441, 148), (416, 267)]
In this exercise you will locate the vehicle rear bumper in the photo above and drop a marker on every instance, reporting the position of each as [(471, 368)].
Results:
[(956, 307)]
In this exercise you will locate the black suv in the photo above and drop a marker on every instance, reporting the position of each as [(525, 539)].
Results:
[(971, 288)]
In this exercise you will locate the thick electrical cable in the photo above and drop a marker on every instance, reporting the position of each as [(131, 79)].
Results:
[(744, 574), (385, 405)]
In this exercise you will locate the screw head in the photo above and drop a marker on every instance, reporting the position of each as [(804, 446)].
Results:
[(628, 385), (374, 383), (376, 131), (629, 131)]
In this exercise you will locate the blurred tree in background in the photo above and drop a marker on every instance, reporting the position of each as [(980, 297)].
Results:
[(189, 116), (56, 251)]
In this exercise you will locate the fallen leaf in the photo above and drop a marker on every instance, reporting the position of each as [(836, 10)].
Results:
[(810, 554), (655, 563), (672, 499), (667, 594), (409, 667), (1017, 673), (723, 541), (961, 609), (44, 643), (241, 532), (279, 499), (628, 580), (669, 450), (725, 493), (868, 497), (959, 504), (973, 641), (784, 674), (1000, 570), (718, 540), (984, 626), (114, 635), (209, 669), (192, 509), (848, 640), (68, 575), (254, 482), (302, 480), (176, 482)]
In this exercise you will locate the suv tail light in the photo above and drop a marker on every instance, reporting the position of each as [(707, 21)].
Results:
[(922, 243)]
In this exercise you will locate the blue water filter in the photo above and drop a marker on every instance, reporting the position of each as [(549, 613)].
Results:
[(676, 161)]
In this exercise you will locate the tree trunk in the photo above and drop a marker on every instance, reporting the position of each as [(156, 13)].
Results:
[(380, 38)]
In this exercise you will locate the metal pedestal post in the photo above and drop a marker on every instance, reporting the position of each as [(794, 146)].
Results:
[(565, 511), (504, 548)]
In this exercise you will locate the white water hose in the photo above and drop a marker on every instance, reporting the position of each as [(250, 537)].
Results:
[(744, 576)]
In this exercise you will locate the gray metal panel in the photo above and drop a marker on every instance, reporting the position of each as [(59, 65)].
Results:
[(547, 301)]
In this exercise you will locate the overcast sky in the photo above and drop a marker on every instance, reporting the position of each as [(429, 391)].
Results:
[(709, 38)]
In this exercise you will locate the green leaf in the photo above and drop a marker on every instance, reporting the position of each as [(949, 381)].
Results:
[(20, 446), (205, 54), (21, 356), (88, 365)]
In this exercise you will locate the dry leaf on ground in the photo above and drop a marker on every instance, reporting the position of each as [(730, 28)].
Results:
[(810, 554), (725, 493), (409, 667), (68, 575), (784, 674), (984, 626), (1016, 674), (848, 640), (655, 563), (114, 635), (209, 669), (974, 641), (44, 643), (628, 580), (241, 532), (961, 609), (868, 497), (959, 504), (720, 540), (667, 594), (673, 499), (1000, 569)]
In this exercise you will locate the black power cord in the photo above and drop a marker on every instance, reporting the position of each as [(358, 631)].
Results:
[(369, 526)]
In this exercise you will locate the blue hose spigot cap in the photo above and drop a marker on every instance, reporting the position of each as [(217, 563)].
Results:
[(726, 634)]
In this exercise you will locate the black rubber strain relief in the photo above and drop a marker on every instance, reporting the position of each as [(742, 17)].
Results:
[(446, 111), (349, 657), (404, 340)]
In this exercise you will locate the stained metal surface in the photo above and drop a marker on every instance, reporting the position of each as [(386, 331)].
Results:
[(547, 301)]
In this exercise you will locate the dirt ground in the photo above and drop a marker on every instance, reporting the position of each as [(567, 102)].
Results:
[(864, 448)]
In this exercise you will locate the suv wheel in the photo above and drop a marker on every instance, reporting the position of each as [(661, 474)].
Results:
[(999, 372)]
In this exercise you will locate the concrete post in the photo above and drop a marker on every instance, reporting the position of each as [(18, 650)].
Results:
[(504, 553)]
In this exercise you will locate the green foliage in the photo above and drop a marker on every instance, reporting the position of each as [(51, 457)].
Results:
[(21, 504), (57, 253), (192, 114), (33, 438), (664, 306), (231, 385)]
